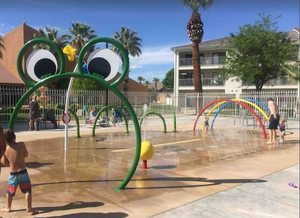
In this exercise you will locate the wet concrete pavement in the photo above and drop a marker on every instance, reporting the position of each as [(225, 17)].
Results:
[(185, 168), (272, 198)]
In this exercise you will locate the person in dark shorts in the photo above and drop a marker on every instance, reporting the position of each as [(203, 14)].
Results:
[(15, 155), (34, 114), (273, 121), (206, 123)]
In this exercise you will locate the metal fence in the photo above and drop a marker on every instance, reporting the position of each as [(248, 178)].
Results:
[(84, 100), (165, 103), (287, 101)]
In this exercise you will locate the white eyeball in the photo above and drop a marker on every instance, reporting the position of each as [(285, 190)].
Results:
[(40, 64), (104, 62)]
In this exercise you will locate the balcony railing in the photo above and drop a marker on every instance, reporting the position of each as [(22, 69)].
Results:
[(204, 61), (218, 82), (281, 81), (186, 82), (205, 82)]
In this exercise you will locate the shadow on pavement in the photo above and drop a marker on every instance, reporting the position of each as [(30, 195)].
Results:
[(167, 179), (91, 215), (37, 164), (70, 206)]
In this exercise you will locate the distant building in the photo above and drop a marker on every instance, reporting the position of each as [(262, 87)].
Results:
[(13, 42), (212, 57)]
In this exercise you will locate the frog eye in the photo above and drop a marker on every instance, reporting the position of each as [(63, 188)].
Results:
[(106, 58), (40, 64), (39, 58), (104, 62)]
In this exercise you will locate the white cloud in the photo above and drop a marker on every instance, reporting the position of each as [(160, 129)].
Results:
[(157, 55), (135, 66)]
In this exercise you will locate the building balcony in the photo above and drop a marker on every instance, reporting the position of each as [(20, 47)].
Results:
[(211, 83), (281, 82), (205, 82), (204, 61), (186, 82)]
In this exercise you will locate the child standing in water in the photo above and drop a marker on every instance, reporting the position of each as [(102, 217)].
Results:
[(274, 120), (206, 123), (282, 130), (15, 155)]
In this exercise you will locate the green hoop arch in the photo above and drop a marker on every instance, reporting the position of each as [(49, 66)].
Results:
[(156, 114), (101, 111), (105, 84), (61, 63), (122, 51)]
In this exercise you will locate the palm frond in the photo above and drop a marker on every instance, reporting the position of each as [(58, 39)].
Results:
[(130, 41), (195, 5)]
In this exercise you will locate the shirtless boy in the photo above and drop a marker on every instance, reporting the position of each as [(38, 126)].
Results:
[(15, 155), (274, 120)]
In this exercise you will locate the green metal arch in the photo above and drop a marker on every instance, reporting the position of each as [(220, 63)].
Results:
[(105, 84), (108, 107), (156, 114)]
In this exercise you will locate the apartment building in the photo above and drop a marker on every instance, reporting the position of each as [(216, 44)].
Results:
[(212, 58)]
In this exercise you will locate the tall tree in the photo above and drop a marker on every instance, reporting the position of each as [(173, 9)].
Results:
[(155, 80), (168, 81), (141, 79), (51, 33), (1, 46), (195, 33), (259, 53), (81, 33), (147, 83), (132, 43)]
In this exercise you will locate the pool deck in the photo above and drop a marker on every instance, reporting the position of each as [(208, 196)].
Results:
[(80, 188)]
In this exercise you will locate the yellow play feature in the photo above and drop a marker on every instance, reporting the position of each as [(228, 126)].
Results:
[(240, 100), (146, 150)]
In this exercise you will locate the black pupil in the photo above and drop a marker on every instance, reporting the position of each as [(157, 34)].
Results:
[(99, 66), (44, 67)]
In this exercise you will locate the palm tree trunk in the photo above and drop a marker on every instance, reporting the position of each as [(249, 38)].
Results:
[(196, 65)]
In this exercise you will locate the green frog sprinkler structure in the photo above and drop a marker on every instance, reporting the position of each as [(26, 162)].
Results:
[(108, 66)]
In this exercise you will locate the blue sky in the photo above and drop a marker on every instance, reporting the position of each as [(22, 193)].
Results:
[(160, 23)]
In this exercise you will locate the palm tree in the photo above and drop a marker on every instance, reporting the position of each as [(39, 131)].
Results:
[(1, 46), (51, 33), (132, 43), (195, 33), (81, 33), (155, 80), (141, 79)]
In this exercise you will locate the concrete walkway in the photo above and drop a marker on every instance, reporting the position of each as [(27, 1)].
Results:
[(274, 198)]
